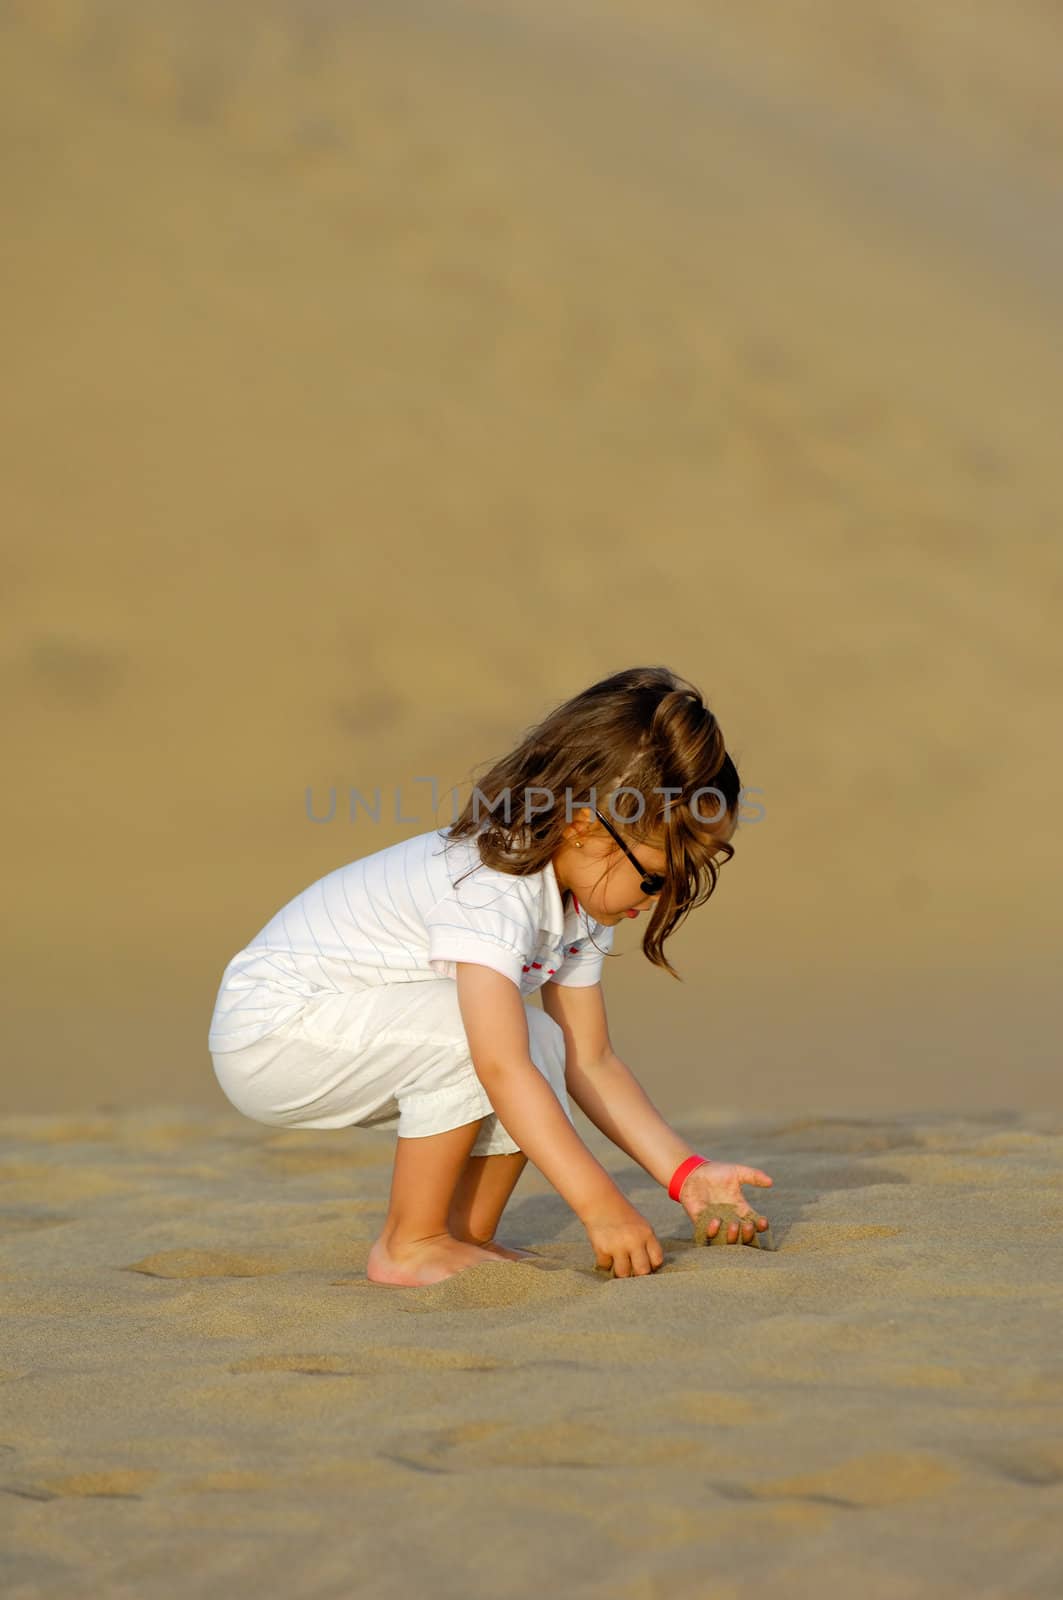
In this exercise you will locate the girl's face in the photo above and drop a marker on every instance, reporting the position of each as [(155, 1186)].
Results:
[(602, 878)]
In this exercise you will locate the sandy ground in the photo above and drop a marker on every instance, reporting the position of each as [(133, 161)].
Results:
[(202, 1393)]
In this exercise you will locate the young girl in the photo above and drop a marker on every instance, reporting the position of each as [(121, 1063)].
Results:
[(391, 993)]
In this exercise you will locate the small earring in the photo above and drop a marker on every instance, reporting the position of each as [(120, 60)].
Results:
[(578, 845)]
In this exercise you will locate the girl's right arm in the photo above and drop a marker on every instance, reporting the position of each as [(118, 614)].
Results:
[(496, 1026)]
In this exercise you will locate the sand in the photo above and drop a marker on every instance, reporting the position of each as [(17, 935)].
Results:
[(198, 1379), (762, 1238)]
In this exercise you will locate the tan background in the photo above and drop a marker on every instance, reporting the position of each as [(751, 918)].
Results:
[(378, 376)]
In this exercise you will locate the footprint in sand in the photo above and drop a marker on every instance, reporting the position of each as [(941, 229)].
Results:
[(1033, 1462), (203, 1264), (310, 1365), (118, 1484), (886, 1479), (551, 1444), (372, 1361)]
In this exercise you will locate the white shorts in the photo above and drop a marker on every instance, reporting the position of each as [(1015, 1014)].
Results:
[(392, 1056)]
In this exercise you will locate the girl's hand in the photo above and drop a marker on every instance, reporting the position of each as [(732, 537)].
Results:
[(719, 1183), (624, 1241)]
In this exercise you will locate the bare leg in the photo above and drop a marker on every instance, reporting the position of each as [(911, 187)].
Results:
[(481, 1196), (415, 1245)]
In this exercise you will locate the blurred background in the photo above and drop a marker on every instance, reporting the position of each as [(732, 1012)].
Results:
[(379, 374)]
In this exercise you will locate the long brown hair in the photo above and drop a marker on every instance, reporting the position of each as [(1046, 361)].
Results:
[(643, 729)]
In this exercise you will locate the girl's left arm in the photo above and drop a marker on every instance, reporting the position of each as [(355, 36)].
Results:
[(607, 1091)]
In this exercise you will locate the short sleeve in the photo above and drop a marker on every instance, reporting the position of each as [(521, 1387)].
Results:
[(583, 966), (488, 918)]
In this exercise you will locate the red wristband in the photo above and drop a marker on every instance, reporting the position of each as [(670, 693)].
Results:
[(680, 1174)]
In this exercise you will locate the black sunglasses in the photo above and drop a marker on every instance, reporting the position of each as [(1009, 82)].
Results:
[(652, 882)]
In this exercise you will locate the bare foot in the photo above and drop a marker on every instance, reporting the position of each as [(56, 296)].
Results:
[(510, 1252), (428, 1261)]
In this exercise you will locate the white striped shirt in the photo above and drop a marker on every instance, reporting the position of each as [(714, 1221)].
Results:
[(396, 917)]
